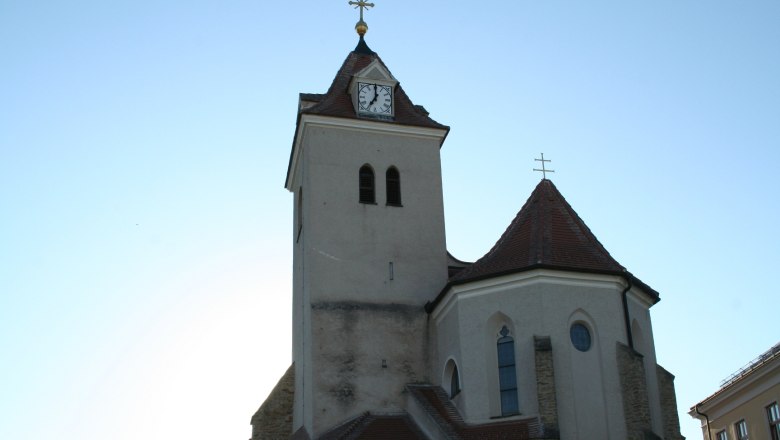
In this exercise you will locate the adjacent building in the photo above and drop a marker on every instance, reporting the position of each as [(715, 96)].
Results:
[(747, 405)]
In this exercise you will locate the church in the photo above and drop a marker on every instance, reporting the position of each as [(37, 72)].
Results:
[(544, 337)]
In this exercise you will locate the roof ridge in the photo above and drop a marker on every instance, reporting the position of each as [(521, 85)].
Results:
[(542, 224), (351, 60), (443, 419), (583, 225), (345, 428), (506, 232)]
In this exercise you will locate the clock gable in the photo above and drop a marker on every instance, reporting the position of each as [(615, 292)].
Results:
[(372, 90), (376, 71), (337, 106)]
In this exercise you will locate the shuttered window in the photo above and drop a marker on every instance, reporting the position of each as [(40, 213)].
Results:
[(393, 181), (454, 382), (367, 189)]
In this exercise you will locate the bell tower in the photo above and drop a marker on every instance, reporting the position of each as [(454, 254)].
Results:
[(368, 239)]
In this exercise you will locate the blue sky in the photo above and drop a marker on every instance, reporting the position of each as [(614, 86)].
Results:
[(145, 233)]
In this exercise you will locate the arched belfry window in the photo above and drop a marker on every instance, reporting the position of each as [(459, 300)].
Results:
[(367, 188), (393, 180), (507, 374)]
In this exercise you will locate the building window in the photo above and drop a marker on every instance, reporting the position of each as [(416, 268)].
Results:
[(773, 414), (722, 435), (393, 180), (741, 429), (580, 336), (454, 382), (367, 193), (507, 374)]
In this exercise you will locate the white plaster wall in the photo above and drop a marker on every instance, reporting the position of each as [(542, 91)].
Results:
[(350, 244), (342, 256), (543, 303), (589, 390), (448, 347), (363, 358), (639, 315)]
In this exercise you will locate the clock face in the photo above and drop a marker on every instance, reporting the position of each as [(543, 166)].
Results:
[(376, 99)]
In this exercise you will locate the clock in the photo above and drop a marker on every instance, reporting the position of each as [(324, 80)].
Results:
[(375, 99)]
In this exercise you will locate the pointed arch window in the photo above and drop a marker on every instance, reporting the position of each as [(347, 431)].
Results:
[(507, 374), (367, 188), (393, 181), (451, 375)]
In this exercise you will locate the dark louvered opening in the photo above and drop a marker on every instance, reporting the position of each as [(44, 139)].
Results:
[(454, 382), (393, 179), (367, 185)]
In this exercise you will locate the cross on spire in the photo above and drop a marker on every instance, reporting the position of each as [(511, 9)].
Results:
[(361, 27), (544, 170)]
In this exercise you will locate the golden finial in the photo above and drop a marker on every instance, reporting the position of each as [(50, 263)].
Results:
[(361, 27)]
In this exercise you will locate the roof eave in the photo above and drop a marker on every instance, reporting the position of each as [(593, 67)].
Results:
[(630, 278), (413, 129)]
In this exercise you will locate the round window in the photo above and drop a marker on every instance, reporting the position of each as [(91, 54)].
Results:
[(580, 337)]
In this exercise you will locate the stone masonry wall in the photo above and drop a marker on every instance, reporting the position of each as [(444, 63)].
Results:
[(545, 387), (636, 408), (273, 420), (670, 419)]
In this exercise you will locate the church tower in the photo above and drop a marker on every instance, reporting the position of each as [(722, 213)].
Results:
[(546, 337), (369, 242)]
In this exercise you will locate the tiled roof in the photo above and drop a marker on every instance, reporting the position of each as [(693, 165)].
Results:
[(376, 427), (435, 402), (337, 101), (546, 233), (314, 97)]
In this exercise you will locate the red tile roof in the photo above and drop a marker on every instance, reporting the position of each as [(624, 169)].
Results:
[(545, 234), (376, 427), (337, 101), (436, 403)]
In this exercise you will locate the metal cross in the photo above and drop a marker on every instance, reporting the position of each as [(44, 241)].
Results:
[(543, 170), (361, 4)]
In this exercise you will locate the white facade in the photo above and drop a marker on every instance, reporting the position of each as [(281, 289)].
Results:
[(362, 270), (375, 307), (533, 303)]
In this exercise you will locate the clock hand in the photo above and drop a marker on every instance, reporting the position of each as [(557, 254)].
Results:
[(376, 95)]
